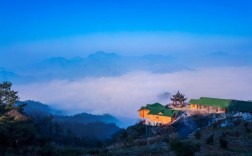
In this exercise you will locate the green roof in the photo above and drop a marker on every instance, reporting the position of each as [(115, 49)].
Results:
[(158, 108), (170, 112), (231, 105), (194, 101), (155, 111), (206, 101), (142, 108), (155, 105), (241, 106)]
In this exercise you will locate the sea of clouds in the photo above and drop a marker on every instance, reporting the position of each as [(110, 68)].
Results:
[(123, 95)]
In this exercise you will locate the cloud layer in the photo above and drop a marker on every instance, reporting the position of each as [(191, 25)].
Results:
[(123, 95)]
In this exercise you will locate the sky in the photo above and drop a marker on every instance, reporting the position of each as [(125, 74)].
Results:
[(26, 21), (209, 37)]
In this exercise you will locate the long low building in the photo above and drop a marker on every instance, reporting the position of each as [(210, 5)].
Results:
[(157, 114), (215, 105)]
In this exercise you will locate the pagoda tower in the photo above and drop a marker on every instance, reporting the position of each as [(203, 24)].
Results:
[(178, 100)]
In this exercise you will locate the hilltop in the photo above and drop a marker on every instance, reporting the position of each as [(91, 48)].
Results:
[(213, 135)]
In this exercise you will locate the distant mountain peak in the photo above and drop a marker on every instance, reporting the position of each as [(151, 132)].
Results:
[(6, 75), (164, 96), (102, 54)]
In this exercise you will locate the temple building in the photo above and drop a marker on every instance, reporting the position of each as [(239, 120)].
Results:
[(215, 105), (157, 114), (178, 100)]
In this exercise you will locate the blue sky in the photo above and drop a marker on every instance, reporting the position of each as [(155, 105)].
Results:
[(41, 29), (28, 20)]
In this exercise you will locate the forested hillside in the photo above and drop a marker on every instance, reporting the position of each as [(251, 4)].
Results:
[(41, 134)]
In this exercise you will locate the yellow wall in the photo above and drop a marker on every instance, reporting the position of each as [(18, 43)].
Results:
[(155, 118), (143, 113), (193, 106), (160, 119)]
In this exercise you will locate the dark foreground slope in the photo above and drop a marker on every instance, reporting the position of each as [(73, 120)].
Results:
[(222, 135), (44, 137), (21, 134)]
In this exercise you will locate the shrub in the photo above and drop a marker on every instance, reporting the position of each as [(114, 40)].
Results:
[(198, 134), (184, 148), (47, 149), (223, 142), (173, 136), (152, 140), (214, 125), (140, 142), (237, 122), (95, 151), (246, 124), (248, 130), (224, 134), (200, 120), (166, 139), (210, 139), (237, 134), (128, 143)]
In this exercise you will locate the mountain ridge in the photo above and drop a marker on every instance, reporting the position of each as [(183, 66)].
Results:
[(35, 108), (99, 64)]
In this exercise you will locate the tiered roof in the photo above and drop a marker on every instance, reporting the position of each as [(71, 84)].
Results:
[(230, 104), (178, 97), (158, 109)]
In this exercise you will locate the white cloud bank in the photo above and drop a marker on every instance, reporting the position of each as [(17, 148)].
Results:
[(122, 96)]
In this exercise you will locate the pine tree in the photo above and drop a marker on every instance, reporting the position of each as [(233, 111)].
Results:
[(8, 97)]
